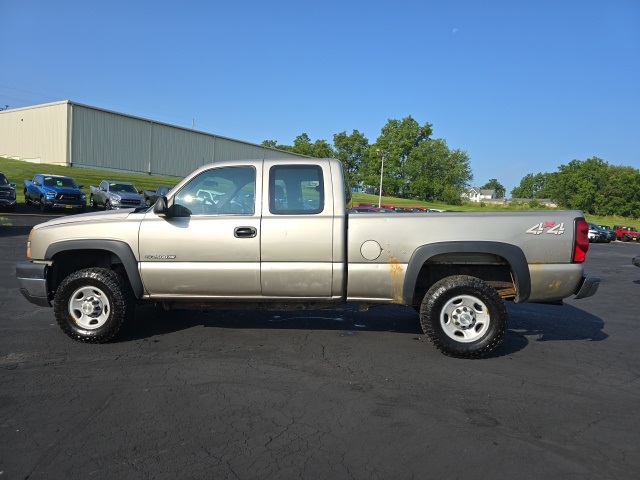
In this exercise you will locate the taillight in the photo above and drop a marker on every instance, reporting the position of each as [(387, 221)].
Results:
[(580, 241), (29, 245)]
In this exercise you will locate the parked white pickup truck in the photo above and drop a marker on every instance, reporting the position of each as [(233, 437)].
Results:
[(276, 234)]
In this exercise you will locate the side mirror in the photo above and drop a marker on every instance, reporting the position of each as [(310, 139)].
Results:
[(161, 207)]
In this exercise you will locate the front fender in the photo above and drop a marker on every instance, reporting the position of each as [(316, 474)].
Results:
[(121, 249)]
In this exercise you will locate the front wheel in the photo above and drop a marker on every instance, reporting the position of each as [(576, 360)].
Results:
[(91, 305), (43, 205), (464, 317)]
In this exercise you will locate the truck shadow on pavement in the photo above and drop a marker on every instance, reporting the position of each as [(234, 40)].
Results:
[(150, 321), (528, 322), (14, 231), (544, 323)]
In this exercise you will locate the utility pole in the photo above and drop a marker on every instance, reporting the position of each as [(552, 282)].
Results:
[(383, 153)]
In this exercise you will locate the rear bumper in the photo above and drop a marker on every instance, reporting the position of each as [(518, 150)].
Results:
[(32, 280), (588, 286)]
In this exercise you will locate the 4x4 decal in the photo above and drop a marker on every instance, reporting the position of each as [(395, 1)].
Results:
[(550, 227)]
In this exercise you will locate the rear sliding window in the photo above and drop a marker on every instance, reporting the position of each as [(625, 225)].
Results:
[(296, 190)]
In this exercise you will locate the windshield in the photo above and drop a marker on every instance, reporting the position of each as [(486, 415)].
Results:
[(122, 188), (59, 182), (3, 179)]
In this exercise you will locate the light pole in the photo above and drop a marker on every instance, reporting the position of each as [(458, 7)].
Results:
[(381, 172)]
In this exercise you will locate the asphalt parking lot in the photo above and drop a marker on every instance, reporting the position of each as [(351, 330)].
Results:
[(322, 394)]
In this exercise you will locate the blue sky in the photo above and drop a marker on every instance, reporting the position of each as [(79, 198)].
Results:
[(521, 86)]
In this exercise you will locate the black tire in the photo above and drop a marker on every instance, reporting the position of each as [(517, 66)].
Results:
[(625, 238), (92, 202), (464, 317), (147, 202), (107, 205), (43, 206), (27, 200), (91, 305)]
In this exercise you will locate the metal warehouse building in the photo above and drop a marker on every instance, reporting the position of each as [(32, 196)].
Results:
[(72, 134)]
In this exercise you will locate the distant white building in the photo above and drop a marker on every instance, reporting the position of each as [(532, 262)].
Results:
[(475, 194)]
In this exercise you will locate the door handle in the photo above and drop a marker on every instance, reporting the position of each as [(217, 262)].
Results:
[(245, 232)]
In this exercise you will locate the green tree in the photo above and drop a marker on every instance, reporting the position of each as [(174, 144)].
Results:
[(351, 150), (322, 149), (435, 172), (396, 141), (621, 193), (302, 145), (531, 186), (580, 184), (494, 184)]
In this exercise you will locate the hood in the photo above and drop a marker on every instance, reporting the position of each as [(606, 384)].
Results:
[(127, 195), (87, 218)]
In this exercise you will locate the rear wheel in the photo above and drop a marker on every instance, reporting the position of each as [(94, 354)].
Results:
[(107, 205), (464, 317), (91, 305), (92, 202)]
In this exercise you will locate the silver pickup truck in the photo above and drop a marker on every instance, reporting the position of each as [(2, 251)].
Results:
[(276, 234), (114, 195)]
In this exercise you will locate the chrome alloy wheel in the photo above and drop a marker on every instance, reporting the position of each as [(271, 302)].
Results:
[(89, 307), (465, 318)]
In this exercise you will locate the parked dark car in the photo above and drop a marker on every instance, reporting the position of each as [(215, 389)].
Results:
[(597, 235), (7, 193), (613, 236), (151, 196), (403, 209), (363, 210)]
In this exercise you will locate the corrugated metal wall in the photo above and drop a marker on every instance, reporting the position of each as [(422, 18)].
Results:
[(69, 133), (37, 133), (177, 152), (107, 140), (104, 139)]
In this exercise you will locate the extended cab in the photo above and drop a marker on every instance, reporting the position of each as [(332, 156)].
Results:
[(114, 195), (54, 191), (276, 234)]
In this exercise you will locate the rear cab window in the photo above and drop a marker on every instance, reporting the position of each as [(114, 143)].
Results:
[(296, 190)]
